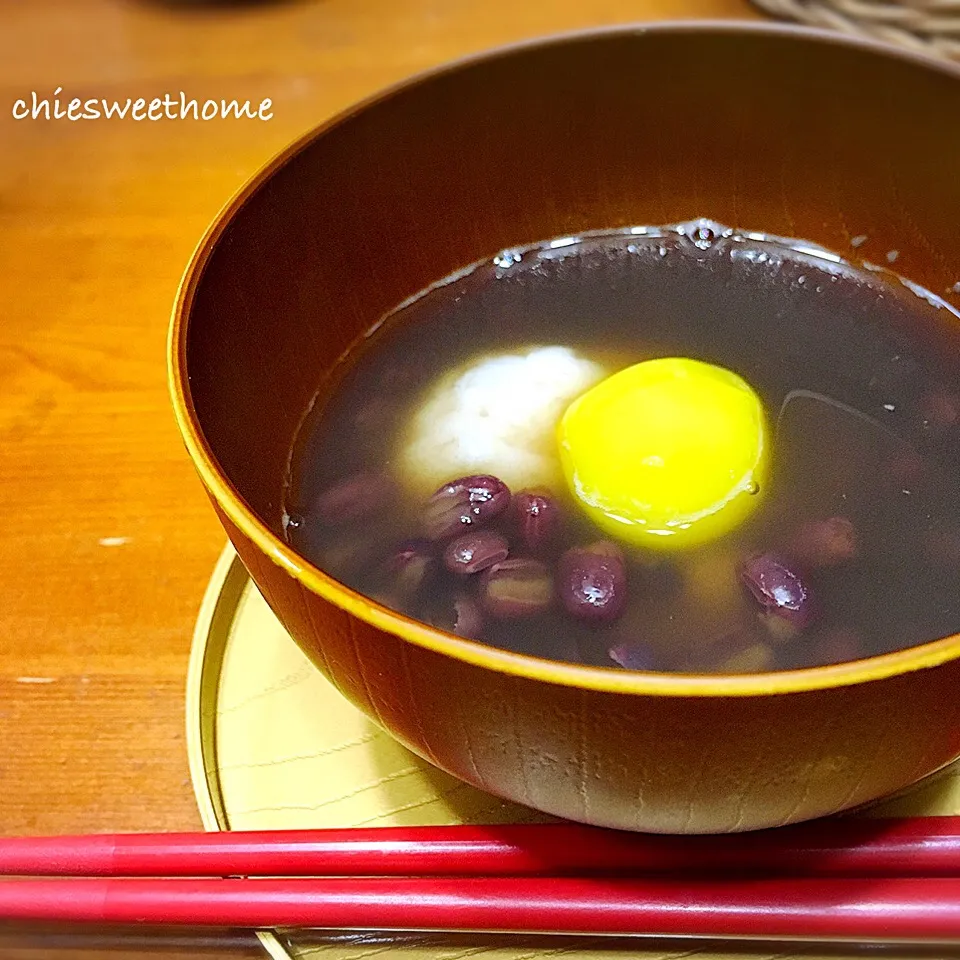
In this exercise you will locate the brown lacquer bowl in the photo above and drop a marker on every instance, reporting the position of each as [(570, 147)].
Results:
[(766, 128)]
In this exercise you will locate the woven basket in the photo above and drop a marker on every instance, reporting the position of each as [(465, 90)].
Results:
[(930, 26)]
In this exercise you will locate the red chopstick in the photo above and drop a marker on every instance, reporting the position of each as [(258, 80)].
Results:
[(921, 847), (879, 909)]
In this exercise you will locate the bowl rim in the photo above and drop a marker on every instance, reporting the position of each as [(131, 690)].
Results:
[(602, 679)]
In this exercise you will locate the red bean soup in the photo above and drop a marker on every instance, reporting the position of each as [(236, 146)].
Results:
[(401, 483)]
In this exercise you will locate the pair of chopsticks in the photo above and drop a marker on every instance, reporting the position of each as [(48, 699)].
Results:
[(832, 880)]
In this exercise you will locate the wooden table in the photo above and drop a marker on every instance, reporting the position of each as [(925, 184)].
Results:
[(106, 538)]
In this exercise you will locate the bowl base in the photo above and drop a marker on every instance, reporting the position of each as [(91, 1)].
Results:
[(273, 745)]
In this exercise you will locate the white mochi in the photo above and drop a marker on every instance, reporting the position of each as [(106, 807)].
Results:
[(496, 415)]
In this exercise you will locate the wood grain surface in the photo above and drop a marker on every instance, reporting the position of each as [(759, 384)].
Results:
[(106, 539)]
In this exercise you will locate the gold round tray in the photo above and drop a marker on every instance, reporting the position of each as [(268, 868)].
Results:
[(272, 745)]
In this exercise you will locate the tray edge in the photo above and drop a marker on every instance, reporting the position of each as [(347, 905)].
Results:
[(226, 585)]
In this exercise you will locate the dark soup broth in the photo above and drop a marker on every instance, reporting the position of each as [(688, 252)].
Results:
[(434, 475)]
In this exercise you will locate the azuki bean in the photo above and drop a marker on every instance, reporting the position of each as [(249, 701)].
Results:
[(517, 587), (464, 503), (592, 582), (778, 589), (475, 552)]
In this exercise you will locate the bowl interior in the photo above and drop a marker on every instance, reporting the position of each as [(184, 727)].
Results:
[(772, 129)]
